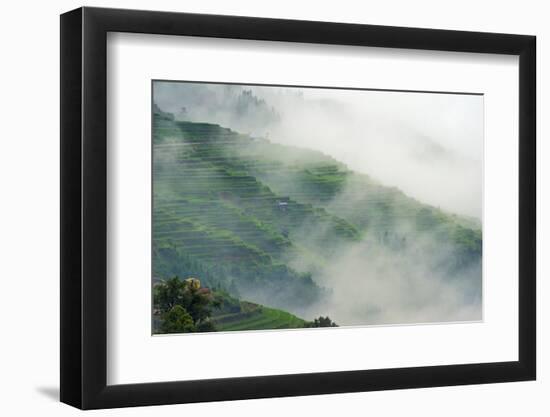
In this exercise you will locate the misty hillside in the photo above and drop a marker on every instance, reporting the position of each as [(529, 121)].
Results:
[(265, 221)]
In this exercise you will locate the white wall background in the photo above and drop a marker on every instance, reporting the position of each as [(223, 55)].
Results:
[(29, 225)]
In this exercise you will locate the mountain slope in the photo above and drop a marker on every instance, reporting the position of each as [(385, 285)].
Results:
[(211, 212), (258, 218)]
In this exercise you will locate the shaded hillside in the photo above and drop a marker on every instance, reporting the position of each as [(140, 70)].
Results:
[(211, 214), (238, 212)]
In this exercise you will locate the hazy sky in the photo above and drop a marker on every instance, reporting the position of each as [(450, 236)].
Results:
[(428, 145)]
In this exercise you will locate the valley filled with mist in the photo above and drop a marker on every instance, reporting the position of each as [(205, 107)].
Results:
[(267, 231)]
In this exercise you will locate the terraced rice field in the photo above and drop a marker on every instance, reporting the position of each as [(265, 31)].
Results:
[(256, 317), (209, 207), (236, 211)]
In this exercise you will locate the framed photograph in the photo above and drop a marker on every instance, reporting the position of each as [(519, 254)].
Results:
[(257, 207)]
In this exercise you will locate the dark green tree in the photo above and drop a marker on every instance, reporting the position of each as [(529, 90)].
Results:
[(196, 301), (199, 303), (321, 322), (169, 293), (177, 320)]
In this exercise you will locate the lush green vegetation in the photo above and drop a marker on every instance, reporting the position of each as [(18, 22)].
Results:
[(184, 306), (243, 315), (237, 211), (213, 219), (321, 322)]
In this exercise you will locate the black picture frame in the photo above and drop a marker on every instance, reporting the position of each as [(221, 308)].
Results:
[(84, 207)]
